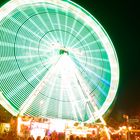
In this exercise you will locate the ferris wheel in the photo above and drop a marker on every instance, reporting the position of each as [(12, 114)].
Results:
[(57, 61)]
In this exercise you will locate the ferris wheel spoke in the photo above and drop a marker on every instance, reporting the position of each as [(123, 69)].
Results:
[(90, 73), (72, 27), (16, 71), (23, 27), (71, 94), (37, 90), (31, 21), (76, 108), (100, 67), (43, 23), (52, 25), (48, 95), (78, 33), (86, 90), (20, 87), (51, 94), (10, 33), (86, 36), (59, 27), (69, 91), (11, 45), (65, 27), (90, 45)]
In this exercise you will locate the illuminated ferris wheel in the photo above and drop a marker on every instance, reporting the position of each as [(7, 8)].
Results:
[(57, 61)]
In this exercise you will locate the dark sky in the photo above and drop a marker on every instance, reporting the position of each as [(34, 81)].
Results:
[(120, 19)]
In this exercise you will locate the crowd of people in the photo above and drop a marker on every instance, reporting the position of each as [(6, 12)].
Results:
[(60, 136), (51, 136)]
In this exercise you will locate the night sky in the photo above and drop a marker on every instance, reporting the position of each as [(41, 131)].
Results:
[(121, 21)]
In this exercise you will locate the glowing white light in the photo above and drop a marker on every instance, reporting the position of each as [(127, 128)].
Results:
[(58, 125), (19, 124), (41, 102), (38, 129)]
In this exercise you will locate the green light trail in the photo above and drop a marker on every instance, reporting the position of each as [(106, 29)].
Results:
[(57, 61)]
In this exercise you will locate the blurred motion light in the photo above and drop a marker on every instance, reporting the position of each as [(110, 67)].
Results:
[(57, 61)]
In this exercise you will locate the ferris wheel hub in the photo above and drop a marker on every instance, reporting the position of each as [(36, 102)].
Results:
[(63, 51)]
